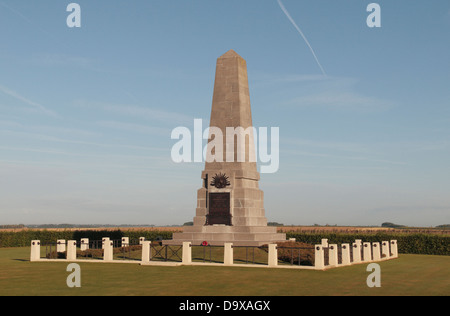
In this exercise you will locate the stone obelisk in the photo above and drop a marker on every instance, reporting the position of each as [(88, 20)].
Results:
[(230, 205)]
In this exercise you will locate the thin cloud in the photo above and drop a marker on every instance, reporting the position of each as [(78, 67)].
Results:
[(341, 150), (336, 146), (342, 100), (134, 111), (16, 12), (338, 93), (23, 99), (272, 79), (51, 151), (135, 128), (60, 60), (149, 113), (39, 129), (47, 138), (346, 157)]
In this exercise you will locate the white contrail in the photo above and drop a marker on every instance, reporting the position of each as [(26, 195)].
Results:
[(16, 12), (301, 33), (23, 17), (19, 97)]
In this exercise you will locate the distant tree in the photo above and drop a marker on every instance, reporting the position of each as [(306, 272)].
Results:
[(12, 226), (188, 224), (391, 225), (274, 224)]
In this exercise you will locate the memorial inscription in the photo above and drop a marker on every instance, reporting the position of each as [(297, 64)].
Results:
[(219, 209)]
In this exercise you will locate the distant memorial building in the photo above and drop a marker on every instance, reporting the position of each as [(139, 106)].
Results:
[(230, 205)]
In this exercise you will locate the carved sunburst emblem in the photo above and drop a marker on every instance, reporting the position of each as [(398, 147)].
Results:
[(220, 181)]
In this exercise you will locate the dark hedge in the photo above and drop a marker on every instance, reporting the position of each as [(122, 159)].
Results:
[(429, 244), (24, 238)]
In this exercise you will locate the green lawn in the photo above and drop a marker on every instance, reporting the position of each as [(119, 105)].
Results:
[(407, 275)]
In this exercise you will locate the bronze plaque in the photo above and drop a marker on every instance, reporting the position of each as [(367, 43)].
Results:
[(219, 209)]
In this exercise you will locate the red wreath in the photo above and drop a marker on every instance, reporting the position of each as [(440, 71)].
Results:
[(205, 243)]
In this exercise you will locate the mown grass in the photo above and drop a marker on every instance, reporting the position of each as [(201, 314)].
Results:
[(408, 275)]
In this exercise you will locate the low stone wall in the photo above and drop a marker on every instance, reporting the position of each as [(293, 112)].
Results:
[(326, 255)]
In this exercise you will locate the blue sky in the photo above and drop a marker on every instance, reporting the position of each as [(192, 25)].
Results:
[(86, 113)]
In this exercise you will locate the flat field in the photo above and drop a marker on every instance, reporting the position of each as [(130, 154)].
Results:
[(281, 229), (409, 275)]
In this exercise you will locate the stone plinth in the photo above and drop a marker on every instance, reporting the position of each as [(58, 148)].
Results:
[(218, 235)]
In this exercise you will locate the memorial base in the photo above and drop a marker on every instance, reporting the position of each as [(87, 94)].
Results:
[(218, 235)]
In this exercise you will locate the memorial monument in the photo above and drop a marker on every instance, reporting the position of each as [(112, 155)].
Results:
[(230, 205)]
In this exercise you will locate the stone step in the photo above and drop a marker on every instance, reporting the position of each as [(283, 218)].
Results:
[(244, 239), (229, 229)]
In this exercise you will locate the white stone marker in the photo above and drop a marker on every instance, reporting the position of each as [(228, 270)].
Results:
[(71, 250), (125, 241), (367, 252), (84, 244), (345, 254), (146, 251), (35, 254), (105, 240), (60, 245), (385, 250), (319, 263), (394, 248), (187, 253), (141, 240), (333, 255), (228, 254), (356, 252), (324, 243), (107, 249), (273, 255), (376, 251)]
